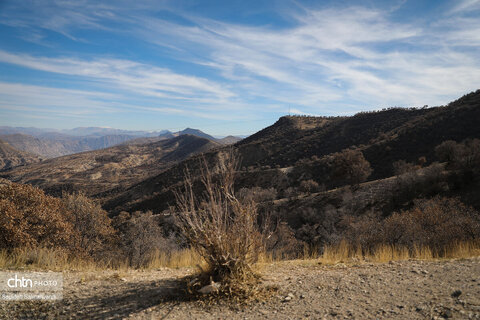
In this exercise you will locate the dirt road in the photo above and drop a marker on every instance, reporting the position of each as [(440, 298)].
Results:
[(396, 290)]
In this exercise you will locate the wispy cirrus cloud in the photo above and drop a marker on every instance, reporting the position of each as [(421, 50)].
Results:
[(321, 60), (141, 78), (330, 55), (466, 5)]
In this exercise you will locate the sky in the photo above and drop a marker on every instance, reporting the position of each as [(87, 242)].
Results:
[(229, 67)]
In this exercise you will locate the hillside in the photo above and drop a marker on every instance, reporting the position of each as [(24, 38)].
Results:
[(384, 137), (100, 172), (229, 140), (11, 157), (195, 132)]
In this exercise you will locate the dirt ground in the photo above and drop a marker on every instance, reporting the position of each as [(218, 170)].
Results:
[(307, 290)]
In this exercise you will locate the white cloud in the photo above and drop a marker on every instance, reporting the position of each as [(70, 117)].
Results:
[(328, 56), (137, 77), (347, 58), (22, 97), (465, 5)]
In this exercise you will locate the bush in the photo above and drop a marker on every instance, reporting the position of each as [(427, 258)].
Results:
[(447, 151), (319, 225), (257, 194), (401, 167), (350, 166), (410, 185), (220, 227), (291, 192), (90, 221), (437, 223), (29, 218), (141, 237), (282, 243), (309, 186), (364, 231), (463, 156)]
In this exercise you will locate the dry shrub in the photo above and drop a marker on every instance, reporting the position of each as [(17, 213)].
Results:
[(363, 231), (257, 194), (414, 184), (463, 159), (351, 166), (401, 167), (309, 186), (142, 240), (91, 222), (291, 192), (447, 151), (221, 228), (282, 244), (464, 156), (29, 218), (318, 225), (435, 223)]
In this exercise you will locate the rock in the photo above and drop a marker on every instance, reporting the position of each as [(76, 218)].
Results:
[(456, 293), (213, 287), (446, 314), (289, 297)]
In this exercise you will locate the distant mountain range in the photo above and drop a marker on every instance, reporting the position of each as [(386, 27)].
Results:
[(11, 157), (104, 172), (51, 143), (78, 132)]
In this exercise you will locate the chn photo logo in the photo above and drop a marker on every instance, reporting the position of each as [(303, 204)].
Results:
[(16, 282)]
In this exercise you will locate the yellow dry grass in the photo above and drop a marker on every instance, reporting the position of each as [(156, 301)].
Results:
[(348, 254), (57, 260), (344, 252), (176, 259), (41, 258)]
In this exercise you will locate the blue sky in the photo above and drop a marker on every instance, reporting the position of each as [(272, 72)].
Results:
[(229, 67)]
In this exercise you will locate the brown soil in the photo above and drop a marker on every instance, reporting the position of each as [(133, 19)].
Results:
[(307, 290)]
